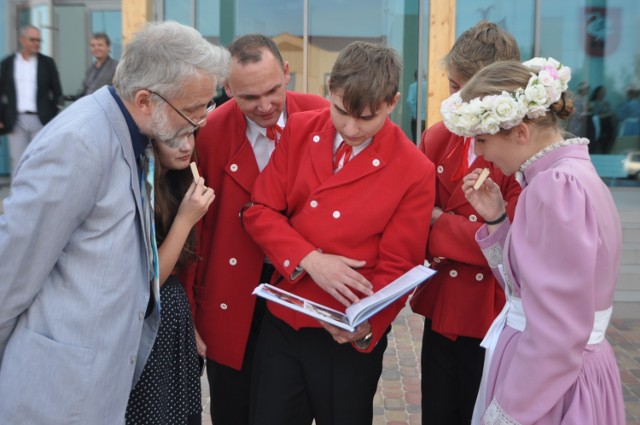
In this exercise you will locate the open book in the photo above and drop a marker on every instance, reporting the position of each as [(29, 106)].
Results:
[(356, 313)]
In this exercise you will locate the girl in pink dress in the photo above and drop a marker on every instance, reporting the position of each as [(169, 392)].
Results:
[(547, 360)]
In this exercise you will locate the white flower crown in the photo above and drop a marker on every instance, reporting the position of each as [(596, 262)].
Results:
[(489, 114)]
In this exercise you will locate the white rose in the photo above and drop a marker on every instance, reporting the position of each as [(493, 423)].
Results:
[(490, 125), (475, 107), (546, 77), (488, 102), (536, 111), (469, 120), (505, 108), (450, 104), (564, 74), (535, 93), (554, 91), (535, 64), (553, 63)]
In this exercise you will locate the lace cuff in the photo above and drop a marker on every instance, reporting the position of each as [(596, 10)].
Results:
[(496, 416), (493, 254)]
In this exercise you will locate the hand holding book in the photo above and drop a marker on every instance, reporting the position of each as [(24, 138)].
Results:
[(356, 313)]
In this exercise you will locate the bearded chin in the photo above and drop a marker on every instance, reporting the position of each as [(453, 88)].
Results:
[(161, 131)]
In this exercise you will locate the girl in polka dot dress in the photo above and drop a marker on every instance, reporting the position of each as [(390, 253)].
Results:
[(168, 391)]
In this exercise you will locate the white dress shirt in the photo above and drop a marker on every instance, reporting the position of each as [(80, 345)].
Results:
[(355, 149), (25, 73), (262, 146)]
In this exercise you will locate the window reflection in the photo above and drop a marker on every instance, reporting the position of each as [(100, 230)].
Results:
[(110, 22), (598, 40), (587, 35), (178, 10)]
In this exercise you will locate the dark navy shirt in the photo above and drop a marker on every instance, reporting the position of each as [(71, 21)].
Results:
[(138, 140)]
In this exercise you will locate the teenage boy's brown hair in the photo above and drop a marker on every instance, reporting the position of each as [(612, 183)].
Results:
[(365, 74)]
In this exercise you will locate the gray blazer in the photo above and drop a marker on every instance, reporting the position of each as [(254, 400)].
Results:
[(74, 273)]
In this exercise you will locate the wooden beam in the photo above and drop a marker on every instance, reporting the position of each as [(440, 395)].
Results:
[(442, 34), (135, 14)]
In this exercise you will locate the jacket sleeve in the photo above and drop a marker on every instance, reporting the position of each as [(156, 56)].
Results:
[(56, 87), (266, 220), (54, 190)]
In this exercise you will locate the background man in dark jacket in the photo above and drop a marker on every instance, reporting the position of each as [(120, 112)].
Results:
[(30, 93)]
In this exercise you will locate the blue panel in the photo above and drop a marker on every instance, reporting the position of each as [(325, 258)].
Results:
[(4, 156)]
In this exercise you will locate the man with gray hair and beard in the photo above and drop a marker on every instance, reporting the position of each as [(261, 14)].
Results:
[(77, 249)]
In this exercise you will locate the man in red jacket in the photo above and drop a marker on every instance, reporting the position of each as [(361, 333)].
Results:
[(233, 149)]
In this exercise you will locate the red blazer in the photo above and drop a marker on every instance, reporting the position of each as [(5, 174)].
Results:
[(220, 285), (463, 298), (373, 209)]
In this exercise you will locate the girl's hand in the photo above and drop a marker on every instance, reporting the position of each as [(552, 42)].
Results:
[(201, 347), (195, 203), (487, 200)]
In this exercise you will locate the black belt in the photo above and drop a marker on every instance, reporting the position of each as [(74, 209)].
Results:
[(29, 113)]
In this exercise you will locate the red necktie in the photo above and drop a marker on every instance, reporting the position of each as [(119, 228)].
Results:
[(343, 151), (464, 161), (274, 132)]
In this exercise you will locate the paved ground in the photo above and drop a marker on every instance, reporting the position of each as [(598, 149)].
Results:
[(397, 401)]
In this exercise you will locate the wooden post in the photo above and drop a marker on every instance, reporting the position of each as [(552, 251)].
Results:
[(135, 14), (442, 34)]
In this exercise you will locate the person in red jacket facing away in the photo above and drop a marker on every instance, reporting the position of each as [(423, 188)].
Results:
[(340, 213), (462, 299), (232, 149)]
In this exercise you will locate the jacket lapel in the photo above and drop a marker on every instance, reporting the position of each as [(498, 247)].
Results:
[(370, 160), (242, 167), (110, 106), (321, 152)]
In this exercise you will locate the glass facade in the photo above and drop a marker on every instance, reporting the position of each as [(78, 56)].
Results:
[(597, 38), (327, 31), (109, 22)]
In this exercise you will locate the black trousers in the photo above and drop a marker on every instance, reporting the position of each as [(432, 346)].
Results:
[(451, 374), (304, 375), (230, 389)]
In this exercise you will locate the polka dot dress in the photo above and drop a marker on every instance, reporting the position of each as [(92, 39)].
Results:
[(168, 392)]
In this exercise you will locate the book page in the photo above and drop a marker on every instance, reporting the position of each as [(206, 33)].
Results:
[(368, 306), (356, 313), (303, 305)]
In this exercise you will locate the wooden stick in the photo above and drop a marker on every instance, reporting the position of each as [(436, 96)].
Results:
[(483, 176), (194, 171)]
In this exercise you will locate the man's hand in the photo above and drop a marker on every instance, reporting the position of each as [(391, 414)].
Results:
[(435, 214), (335, 274), (201, 347), (342, 336)]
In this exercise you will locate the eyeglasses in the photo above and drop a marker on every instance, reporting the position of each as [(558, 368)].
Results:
[(35, 40), (210, 107), (180, 140)]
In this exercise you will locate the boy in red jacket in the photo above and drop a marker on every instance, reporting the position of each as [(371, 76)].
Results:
[(340, 212)]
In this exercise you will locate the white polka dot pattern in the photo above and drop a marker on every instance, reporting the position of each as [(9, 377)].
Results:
[(168, 392)]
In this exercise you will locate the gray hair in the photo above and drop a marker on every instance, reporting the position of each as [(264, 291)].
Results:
[(162, 56), (23, 29)]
